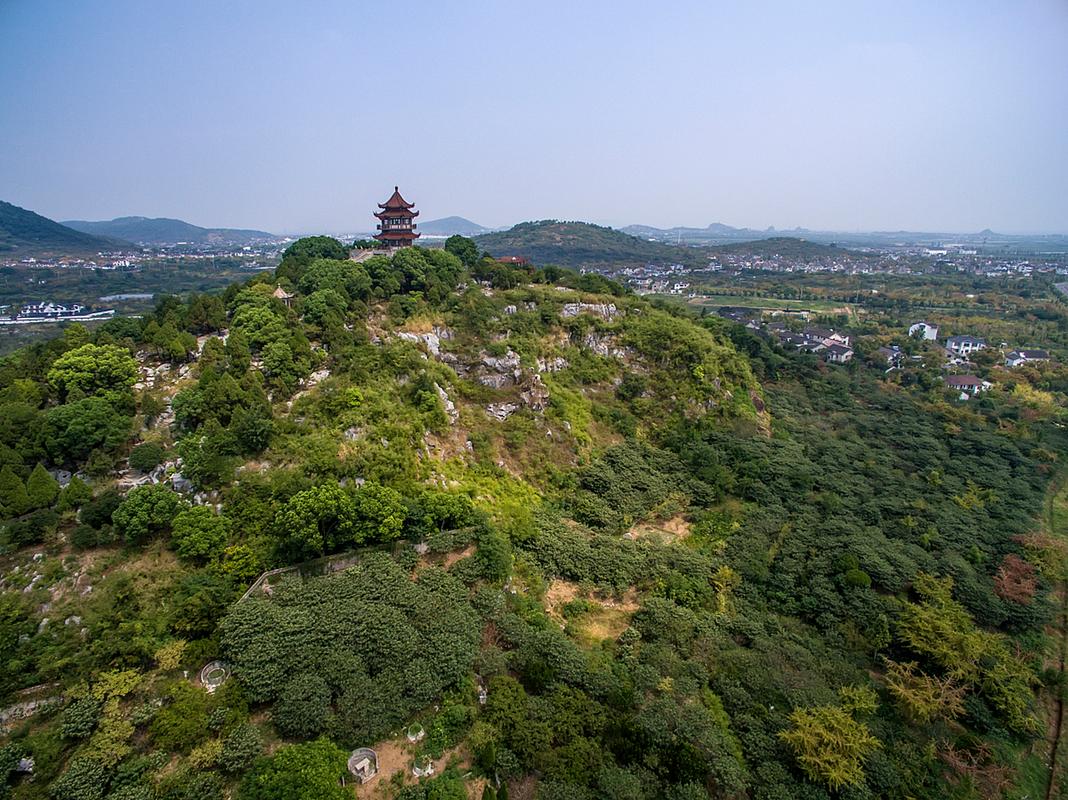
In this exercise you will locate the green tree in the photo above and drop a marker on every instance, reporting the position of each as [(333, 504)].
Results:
[(146, 456), (146, 510), (280, 367), (463, 248), (74, 495), (379, 513), (302, 252), (41, 488), (260, 326), (310, 771), (241, 747), (302, 709), (205, 313), (77, 429), (199, 534), (346, 278), (252, 428), (14, 499), (93, 369), (318, 520)]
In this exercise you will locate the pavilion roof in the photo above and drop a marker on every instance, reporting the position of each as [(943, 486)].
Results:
[(396, 201)]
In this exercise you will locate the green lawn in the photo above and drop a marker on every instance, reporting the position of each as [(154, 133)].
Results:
[(770, 303)]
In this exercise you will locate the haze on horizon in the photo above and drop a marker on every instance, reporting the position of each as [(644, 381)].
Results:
[(947, 116)]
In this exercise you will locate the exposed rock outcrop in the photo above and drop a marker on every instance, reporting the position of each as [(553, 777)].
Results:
[(607, 311)]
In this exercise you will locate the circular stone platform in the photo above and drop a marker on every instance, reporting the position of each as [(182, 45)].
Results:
[(214, 675)]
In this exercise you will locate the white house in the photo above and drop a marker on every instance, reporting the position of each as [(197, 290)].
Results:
[(838, 353), (967, 385), (1019, 357), (925, 330), (964, 345)]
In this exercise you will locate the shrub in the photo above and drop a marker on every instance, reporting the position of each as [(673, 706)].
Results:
[(242, 747), (199, 534), (147, 510), (146, 457), (302, 709)]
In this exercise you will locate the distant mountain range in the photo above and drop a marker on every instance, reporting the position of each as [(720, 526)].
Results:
[(451, 226), (164, 231), (718, 233), (25, 233)]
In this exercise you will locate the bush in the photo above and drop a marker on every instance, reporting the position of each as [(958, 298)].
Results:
[(303, 707), (85, 536), (146, 457), (243, 746), (199, 534), (298, 772), (80, 718), (183, 722), (97, 512), (84, 779), (147, 510)]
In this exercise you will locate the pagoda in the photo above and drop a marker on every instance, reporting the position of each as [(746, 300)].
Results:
[(396, 224)]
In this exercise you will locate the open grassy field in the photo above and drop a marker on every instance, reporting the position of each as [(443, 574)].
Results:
[(764, 303)]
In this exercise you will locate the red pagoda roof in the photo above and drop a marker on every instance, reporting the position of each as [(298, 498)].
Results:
[(396, 202)]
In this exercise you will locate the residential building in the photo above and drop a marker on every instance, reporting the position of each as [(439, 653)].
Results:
[(964, 345), (838, 353), (924, 330), (827, 335), (967, 385), (1019, 357), (892, 356)]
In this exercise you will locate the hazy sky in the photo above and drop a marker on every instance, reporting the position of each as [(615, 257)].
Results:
[(293, 116)]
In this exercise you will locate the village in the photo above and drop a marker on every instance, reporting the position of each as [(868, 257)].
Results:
[(837, 347)]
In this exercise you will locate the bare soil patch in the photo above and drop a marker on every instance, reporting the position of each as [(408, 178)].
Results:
[(395, 757), (607, 618), (670, 530)]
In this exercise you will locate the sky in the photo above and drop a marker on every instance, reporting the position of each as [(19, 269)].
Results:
[(300, 117)]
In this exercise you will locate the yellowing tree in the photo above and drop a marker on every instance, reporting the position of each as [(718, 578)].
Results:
[(830, 745)]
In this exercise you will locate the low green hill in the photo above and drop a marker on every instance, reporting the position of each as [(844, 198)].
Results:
[(788, 246), (576, 244), (162, 230), (26, 233)]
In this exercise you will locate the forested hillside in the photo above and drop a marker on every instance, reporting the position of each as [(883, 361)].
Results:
[(162, 230), (24, 233), (574, 244), (525, 532)]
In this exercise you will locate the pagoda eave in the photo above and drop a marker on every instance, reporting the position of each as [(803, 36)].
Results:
[(399, 237), (398, 212)]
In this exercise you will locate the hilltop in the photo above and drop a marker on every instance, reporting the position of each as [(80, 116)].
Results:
[(25, 233), (715, 233), (514, 523), (576, 244), (161, 230), (452, 226), (787, 246)]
